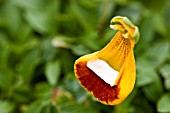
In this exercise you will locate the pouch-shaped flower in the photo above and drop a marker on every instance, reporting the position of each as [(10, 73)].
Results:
[(109, 74)]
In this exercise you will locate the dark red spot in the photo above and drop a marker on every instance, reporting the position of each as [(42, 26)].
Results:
[(101, 90)]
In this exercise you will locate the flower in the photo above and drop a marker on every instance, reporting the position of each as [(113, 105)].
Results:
[(109, 74)]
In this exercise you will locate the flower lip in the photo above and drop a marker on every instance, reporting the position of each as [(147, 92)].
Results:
[(94, 84)]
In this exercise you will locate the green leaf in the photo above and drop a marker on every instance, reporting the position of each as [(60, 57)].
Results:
[(67, 61), (48, 52), (147, 31), (4, 50), (79, 17), (5, 107), (146, 34), (28, 64), (30, 4), (43, 91), (42, 20), (72, 85), (21, 94), (144, 72), (140, 105), (6, 79), (165, 71), (158, 53), (80, 50), (24, 32), (49, 109), (167, 84), (37, 106), (143, 78), (52, 72), (154, 89), (38, 20), (160, 22), (121, 2), (134, 8), (63, 97), (76, 108), (12, 18), (163, 103)]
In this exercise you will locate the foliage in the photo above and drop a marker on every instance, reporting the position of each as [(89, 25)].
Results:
[(41, 39)]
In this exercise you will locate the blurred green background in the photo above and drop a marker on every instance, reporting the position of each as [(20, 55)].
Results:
[(41, 39)]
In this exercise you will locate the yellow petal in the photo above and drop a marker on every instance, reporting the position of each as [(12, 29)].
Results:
[(127, 79), (118, 54), (116, 51)]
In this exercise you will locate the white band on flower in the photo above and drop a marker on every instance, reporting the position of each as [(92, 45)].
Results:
[(103, 70)]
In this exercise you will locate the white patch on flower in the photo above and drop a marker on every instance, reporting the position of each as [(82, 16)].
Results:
[(103, 70)]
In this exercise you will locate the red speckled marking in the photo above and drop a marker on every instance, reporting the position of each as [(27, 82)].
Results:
[(101, 90)]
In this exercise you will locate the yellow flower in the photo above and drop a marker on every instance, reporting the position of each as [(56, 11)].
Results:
[(109, 74)]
